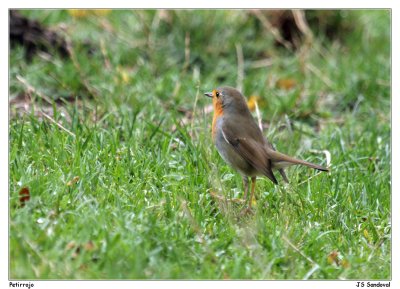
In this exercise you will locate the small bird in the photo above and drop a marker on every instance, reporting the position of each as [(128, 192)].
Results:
[(241, 144)]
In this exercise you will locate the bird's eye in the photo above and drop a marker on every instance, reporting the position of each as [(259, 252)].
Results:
[(217, 93)]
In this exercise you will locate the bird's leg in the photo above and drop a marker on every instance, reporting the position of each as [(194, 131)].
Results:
[(253, 186), (282, 172), (245, 186)]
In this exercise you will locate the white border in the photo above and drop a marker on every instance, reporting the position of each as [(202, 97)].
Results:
[(198, 4)]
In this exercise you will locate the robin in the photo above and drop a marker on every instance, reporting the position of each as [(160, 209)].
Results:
[(241, 144)]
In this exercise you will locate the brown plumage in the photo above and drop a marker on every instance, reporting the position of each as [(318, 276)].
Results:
[(241, 143)]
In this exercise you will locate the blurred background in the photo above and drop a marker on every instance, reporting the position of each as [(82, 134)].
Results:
[(300, 62)]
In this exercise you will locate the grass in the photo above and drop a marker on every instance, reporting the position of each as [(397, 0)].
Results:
[(127, 195)]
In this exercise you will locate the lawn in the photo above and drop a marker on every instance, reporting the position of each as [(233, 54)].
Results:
[(113, 143)]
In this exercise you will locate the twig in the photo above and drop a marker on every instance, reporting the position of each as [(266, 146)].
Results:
[(275, 32), (301, 22), (315, 267), (313, 176), (258, 116), (187, 51), (104, 53), (34, 90), (289, 126), (240, 67), (57, 124), (261, 63), (176, 88), (327, 156), (302, 25), (298, 250), (318, 73)]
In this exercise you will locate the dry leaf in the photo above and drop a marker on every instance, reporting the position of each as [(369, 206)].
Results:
[(217, 196), (82, 13), (77, 249), (345, 263), (78, 13), (286, 83), (123, 75), (73, 181), (76, 252), (70, 245), (89, 246), (251, 103), (24, 196), (333, 257)]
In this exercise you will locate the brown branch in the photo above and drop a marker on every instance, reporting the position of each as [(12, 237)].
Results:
[(301, 22), (275, 32)]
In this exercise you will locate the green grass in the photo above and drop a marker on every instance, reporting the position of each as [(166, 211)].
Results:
[(142, 207)]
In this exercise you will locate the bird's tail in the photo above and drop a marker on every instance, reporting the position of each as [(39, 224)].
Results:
[(280, 161)]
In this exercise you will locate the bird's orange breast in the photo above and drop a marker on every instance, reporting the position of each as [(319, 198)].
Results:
[(218, 112)]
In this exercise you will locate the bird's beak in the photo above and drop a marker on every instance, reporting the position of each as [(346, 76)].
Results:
[(209, 94)]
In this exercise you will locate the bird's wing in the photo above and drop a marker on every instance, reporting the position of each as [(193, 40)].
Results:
[(248, 148), (270, 146)]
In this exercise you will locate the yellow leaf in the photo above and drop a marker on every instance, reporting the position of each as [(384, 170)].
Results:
[(125, 77), (78, 13), (101, 12), (345, 263), (123, 74), (366, 234), (73, 181), (251, 103), (286, 83)]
